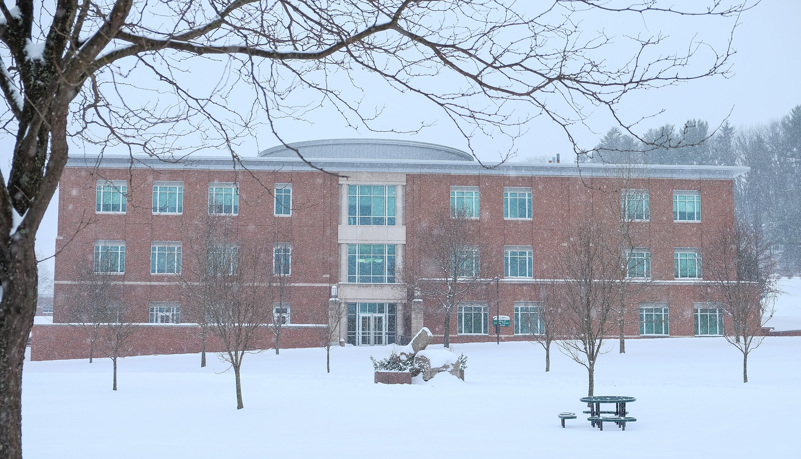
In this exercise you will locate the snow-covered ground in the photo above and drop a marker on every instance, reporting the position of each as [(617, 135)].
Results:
[(691, 402)]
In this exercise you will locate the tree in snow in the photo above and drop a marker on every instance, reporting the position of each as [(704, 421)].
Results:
[(743, 274), (330, 334), (100, 310), (232, 289), (452, 263), (123, 75), (589, 293)]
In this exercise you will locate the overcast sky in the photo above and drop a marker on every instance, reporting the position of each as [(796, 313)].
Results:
[(764, 86)]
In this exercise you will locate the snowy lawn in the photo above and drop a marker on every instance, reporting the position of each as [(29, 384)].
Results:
[(690, 402)]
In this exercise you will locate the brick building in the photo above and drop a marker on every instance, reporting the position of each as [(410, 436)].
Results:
[(359, 229)]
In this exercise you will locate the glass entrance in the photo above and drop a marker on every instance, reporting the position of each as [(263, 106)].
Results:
[(371, 324), (372, 330)]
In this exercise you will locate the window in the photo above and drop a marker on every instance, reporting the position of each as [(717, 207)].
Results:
[(635, 205), (464, 201), (472, 320), (687, 264), (371, 263), (283, 199), (223, 260), (109, 257), (165, 258), (168, 197), (164, 312), (517, 203), (466, 262), (687, 206), (111, 196), (528, 318), (518, 261), (223, 199), (639, 264), (281, 313), (654, 319), (371, 205), (708, 320), (282, 259)]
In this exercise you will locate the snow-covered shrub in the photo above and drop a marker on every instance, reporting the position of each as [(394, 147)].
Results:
[(393, 363)]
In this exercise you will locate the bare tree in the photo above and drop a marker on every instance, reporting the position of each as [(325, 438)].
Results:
[(452, 264), (235, 292), (115, 334), (330, 334), (743, 272), (74, 72), (544, 325), (100, 310), (590, 291), (628, 207), (93, 295)]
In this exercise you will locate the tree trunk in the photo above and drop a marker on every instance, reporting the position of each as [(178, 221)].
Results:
[(277, 339), (548, 358), (622, 324), (239, 404), (114, 360), (91, 350), (17, 308), (328, 358), (745, 367), (447, 334), (202, 347), (591, 382)]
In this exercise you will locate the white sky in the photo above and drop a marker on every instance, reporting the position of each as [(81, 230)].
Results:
[(764, 87)]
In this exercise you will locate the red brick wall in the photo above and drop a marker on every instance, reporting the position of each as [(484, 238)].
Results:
[(559, 204), (65, 341)]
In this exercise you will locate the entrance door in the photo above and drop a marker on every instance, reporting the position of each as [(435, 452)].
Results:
[(373, 329)]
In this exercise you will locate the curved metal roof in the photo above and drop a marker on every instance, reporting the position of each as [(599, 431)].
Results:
[(371, 149)]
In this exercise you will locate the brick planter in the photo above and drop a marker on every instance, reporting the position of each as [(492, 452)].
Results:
[(393, 377)]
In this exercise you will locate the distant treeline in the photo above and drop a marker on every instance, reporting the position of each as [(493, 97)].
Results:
[(768, 197)]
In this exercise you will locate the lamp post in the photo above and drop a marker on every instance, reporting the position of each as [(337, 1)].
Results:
[(497, 310)]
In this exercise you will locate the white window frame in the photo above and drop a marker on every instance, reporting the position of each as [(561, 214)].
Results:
[(516, 195), (685, 195), (636, 202), (281, 193), (357, 252), (357, 195), (103, 254), (160, 309), (168, 190), (229, 251), (684, 254), (520, 252), (653, 310), (470, 258), (171, 251), (529, 309), (708, 310), (221, 189), (635, 254), (460, 195), (113, 189), (282, 258), (474, 309)]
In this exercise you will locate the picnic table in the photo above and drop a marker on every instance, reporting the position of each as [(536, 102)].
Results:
[(619, 414)]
